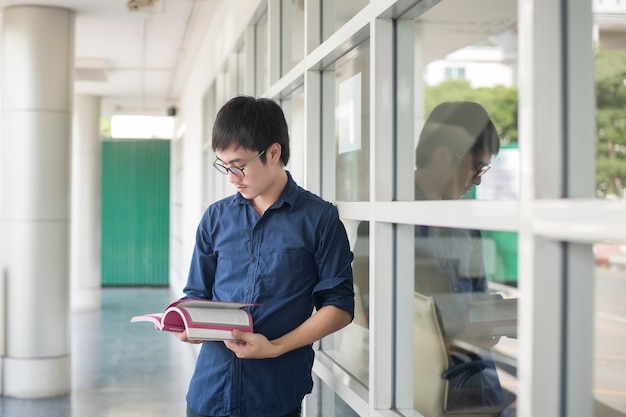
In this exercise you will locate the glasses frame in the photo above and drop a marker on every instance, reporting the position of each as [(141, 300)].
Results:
[(236, 171), (477, 172)]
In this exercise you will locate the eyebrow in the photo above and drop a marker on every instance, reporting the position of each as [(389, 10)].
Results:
[(236, 160)]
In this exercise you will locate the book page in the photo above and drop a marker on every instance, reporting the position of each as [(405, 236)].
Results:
[(219, 316)]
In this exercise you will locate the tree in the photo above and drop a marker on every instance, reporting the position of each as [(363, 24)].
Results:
[(500, 102)]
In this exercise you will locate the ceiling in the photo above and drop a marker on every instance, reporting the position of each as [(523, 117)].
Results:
[(135, 60)]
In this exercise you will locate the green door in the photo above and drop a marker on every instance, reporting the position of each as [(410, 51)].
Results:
[(135, 212)]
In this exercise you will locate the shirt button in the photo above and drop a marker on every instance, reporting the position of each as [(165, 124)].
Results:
[(457, 289), (253, 259), (249, 291)]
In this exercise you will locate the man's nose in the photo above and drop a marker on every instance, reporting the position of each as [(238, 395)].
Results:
[(232, 178), (477, 180)]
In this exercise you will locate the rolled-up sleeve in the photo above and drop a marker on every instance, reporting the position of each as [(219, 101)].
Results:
[(334, 260)]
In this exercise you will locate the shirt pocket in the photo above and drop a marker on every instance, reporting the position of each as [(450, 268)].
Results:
[(287, 272)]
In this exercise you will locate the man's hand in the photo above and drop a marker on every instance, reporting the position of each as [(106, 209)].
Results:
[(182, 336), (252, 346), (480, 340)]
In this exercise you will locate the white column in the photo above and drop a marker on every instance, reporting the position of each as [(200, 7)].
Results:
[(86, 204), (37, 85)]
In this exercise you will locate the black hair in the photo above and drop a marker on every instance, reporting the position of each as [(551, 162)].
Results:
[(252, 124), (462, 126)]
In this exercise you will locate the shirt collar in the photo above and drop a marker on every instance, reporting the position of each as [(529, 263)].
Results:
[(287, 196)]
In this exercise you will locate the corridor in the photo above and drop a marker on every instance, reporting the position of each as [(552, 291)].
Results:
[(119, 369)]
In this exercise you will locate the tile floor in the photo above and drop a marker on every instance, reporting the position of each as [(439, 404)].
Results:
[(119, 369)]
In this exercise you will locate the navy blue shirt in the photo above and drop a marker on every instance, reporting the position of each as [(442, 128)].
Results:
[(294, 258)]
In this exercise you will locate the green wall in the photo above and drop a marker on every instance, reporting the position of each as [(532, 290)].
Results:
[(135, 212)]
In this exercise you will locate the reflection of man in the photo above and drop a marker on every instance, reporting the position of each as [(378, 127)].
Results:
[(455, 148)]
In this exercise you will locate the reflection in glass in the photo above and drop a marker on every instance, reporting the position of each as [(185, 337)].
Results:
[(458, 318), (349, 347), (610, 329), (292, 34), (240, 77), (465, 111), (293, 106), (336, 13), (609, 386), (333, 405), (261, 71), (352, 127), (610, 117)]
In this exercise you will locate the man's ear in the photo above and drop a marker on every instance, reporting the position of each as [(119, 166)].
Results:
[(442, 156), (274, 151)]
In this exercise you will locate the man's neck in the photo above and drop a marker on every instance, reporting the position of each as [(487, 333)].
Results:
[(428, 186), (263, 201)]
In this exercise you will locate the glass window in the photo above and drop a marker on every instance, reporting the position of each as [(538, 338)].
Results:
[(461, 283), (610, 329), (209, 110), (464, 324), (332, 405), (352, 126), (610, 257), (292, 34), (240, 59), (336, 13), (349, 347), (261, 51), (610, 66), (293, 106)]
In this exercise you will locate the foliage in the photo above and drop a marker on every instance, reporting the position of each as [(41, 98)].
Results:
[(105, 127), (500, 102), (610, 73)]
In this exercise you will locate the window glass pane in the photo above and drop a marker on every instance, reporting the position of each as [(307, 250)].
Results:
[(349, 347), (332, 405), (609, 385), (241, 70), (465, 326), (292, 34), (610, 329), (352, 127), (261, 71), (336, 13), (209, 112), (610, 66), (460, 284), (293, 107), (476, 62)]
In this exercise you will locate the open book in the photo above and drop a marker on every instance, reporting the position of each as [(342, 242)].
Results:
[(496, 316), (203, 319)]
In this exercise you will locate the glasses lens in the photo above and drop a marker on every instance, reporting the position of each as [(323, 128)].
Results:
[(221, 168), (237, 172), (482, 171)]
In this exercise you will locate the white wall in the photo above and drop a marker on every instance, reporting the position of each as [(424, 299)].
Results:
[(226, 28)]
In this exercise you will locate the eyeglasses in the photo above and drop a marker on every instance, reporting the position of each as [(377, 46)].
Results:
[(236, 171), (477, 172)]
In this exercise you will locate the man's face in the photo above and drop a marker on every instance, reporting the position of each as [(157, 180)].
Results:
[(466, 175), (256, 178)]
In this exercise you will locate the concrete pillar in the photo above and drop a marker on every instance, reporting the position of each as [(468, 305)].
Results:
[(37, 91), (86, 204)]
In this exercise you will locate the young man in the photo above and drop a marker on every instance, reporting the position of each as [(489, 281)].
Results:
[(273, 244)]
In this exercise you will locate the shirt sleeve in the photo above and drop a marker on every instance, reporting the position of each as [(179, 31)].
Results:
[(334, 262), (203, 262)]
